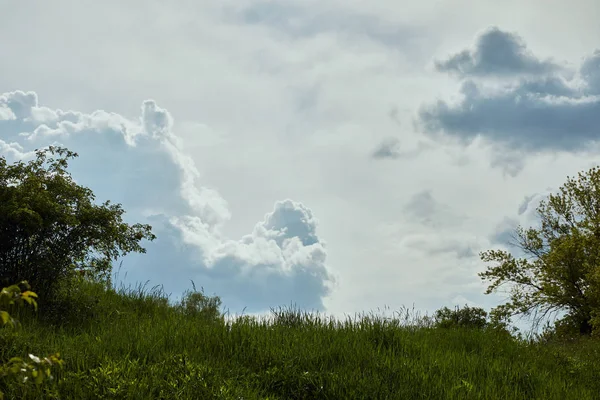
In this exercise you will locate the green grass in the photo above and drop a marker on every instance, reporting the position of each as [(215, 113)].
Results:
[(129, 344)]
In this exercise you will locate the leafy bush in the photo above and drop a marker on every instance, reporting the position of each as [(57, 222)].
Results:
[(37, 370), (49, 225), (198, 305), (467, 317), (76, 303)]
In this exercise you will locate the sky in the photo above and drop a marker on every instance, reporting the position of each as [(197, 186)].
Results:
[(343, 157)]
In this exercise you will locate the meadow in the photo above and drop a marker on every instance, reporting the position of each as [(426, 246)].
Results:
[(132, 343)]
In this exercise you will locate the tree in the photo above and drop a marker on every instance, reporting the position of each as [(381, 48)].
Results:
[(49, 225), (562, 271)]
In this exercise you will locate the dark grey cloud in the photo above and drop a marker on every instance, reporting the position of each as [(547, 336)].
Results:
[(590, 72), (496, 53), (543, 107), (525, 205), (533, 115), (555, 86), (390, 148)]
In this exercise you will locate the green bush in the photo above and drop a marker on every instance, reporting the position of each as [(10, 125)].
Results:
[(49, 225), (37, 370), (467, 317), (196, 304)]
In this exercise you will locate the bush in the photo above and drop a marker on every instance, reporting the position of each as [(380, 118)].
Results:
[(37, 370), (468, 317), (76, 304), (198, 305), (49, 225)]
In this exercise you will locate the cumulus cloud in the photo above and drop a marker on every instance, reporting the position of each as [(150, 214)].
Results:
[(281, 262), (19, 103), (143, 165), (496, 53), (542, 108)]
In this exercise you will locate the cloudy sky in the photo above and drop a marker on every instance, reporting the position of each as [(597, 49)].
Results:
[(342, 156)]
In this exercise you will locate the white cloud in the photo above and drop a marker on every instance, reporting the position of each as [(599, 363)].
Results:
[(284, 249)]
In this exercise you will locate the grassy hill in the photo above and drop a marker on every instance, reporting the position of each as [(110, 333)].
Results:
[(131, 344)]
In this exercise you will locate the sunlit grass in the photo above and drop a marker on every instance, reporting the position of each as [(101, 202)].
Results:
[(132, 344)]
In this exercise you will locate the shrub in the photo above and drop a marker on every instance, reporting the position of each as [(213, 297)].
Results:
[(37, 370), (467, 317), (49, 225), (196, 304)]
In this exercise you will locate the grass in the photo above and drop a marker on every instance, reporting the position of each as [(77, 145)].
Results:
[(129, 344)]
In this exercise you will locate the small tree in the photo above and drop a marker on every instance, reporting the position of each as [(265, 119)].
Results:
[(562, 272), (49, 224)]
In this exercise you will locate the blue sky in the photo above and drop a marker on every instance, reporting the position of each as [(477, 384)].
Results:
[(343, 156)]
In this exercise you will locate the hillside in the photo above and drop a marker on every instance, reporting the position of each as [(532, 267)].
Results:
[(131, 344)]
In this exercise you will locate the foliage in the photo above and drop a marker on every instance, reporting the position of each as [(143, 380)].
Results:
[(197, 304), (49, 225), (37, 370), (147, 348), (76, 303), (467, 317), (565, 272)]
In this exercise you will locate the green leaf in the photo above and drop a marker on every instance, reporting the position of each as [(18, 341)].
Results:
[(5, 317)]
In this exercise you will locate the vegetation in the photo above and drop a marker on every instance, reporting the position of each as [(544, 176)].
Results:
[(130, 344), (138, 346), (37, 370), (49, 225), (565, 273)]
